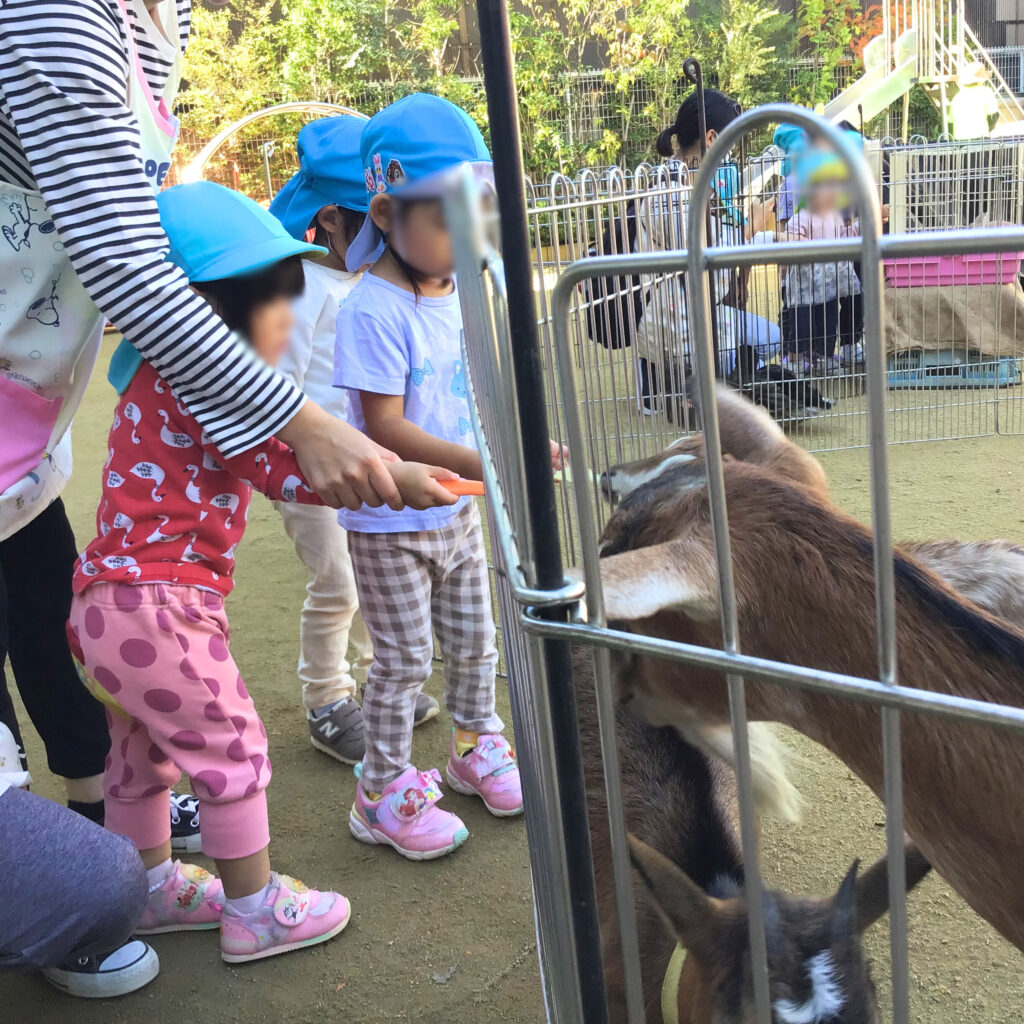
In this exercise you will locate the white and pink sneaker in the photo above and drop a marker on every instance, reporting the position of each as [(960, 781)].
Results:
[(292, 916), (407, 818), (190, 899), (490, 772)]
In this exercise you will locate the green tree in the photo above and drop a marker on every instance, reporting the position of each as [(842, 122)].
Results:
[(826, 30), (231, 67)]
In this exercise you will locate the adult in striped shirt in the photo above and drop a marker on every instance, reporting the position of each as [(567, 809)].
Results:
[(68, 129)]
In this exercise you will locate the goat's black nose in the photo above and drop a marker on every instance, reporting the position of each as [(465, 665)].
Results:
[(607, 487)]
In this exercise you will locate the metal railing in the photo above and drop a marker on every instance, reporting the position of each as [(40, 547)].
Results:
[(954, 350), (528, 603)]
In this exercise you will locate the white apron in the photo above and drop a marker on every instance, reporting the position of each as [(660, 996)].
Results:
[(50, 330)]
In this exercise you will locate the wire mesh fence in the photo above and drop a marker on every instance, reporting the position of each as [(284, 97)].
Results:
[(954, 326), (594, 390)]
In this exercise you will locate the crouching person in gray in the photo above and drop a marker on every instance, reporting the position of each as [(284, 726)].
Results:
[(71, 893)]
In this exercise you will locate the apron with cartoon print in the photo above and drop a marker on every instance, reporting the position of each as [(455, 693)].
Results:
[(50, 330)]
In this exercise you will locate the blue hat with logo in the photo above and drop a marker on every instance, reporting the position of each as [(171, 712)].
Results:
[(330, 173), (409, 150), (214, 233)]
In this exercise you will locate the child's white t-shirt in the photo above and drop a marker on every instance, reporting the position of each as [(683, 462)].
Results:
[(391, 343), (309, 360)]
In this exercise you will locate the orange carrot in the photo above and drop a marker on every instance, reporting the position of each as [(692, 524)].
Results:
[(462, 487)]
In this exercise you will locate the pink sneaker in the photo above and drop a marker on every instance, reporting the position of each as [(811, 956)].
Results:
[(190, 900), (406, 819), (292, 916), (490, 772)]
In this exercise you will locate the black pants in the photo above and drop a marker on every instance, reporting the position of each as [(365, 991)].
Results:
[(812, 330), (36, 565), (851, 318)]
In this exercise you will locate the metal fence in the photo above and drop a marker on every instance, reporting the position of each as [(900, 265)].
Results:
[(592, 399), (954, 341)]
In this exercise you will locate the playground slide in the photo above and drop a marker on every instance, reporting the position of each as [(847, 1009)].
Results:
[(880, 86)]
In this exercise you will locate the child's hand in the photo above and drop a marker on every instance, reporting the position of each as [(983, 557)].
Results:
[(418, 484), (885, 213), (559, 456)]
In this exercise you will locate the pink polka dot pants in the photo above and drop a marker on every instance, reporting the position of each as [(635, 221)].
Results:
[(175, 703)]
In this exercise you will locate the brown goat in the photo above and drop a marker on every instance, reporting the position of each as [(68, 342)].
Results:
[(679, 811), (805, 591), (989, 572)]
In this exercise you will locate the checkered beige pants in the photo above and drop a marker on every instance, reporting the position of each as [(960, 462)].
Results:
[(412, 585)]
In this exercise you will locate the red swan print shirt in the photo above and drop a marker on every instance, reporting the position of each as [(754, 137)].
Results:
[(173, 507)]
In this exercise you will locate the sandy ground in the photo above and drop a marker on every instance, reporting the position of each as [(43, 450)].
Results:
[(453, 940)]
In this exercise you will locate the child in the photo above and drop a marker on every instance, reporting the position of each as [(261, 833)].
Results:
[(326, 203), (814, 290), (399, 355), (148, 614)]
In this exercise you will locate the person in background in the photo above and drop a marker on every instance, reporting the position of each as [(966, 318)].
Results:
[(326, 202), (814, 291), (974, 110), (399, 354), (150, 626), (662, 337)]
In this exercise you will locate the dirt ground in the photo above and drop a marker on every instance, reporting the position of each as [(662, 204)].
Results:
[(453, 939)]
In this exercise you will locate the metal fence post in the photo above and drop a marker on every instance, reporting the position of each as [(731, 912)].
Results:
[(502, 110)]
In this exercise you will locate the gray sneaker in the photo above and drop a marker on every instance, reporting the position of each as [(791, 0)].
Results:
[(339, 732), (426, 709)]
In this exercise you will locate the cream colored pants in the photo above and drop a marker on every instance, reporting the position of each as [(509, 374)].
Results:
[(330, 619)]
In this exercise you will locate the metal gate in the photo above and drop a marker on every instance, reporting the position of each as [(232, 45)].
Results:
[(542, 611)]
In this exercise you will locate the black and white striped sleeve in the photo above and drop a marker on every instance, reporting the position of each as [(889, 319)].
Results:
[(63, 69)]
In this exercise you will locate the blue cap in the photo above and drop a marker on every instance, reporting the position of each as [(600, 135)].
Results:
[(215, 232), (407, 150), (791, 140), (330, 173), (815, 165)]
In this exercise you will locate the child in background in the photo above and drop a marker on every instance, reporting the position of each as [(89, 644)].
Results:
[(814, 290), (326, 203), (399, 355), (148, 616)]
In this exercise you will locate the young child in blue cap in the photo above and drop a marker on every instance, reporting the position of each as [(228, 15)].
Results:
[(816, 293), (148, 621), (326, 202), (398, 354)]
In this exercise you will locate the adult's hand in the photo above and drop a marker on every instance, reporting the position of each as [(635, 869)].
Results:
[(342, 465)]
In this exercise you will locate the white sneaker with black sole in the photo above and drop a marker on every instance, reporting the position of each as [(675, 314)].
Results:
[(125, 969), (185, 831), (12, 764)]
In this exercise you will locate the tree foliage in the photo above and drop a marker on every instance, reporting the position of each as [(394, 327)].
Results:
[(596, 78), (826, 31)]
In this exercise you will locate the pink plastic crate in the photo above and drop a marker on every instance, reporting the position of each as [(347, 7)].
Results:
[(980, 268)]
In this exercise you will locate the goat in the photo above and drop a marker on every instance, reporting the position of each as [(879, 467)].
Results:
[(679, 811), (805, 595), (990, 572)]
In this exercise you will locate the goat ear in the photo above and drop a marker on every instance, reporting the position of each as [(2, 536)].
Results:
[(873, 885), (679, 575), (844, 907), (691, 914)]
